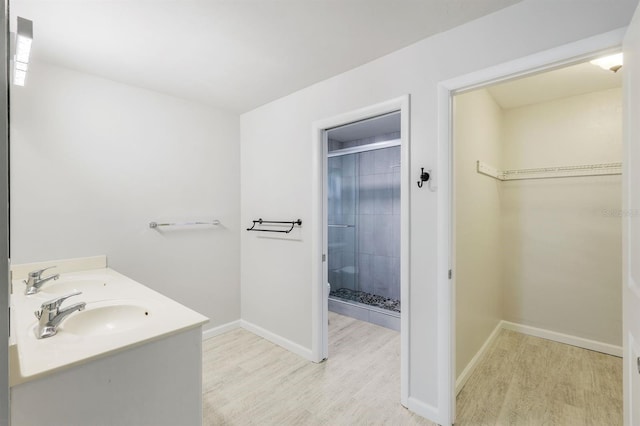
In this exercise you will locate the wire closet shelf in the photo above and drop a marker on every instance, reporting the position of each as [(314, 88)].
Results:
[(604, 169)]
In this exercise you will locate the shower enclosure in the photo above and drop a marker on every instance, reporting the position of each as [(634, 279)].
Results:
[(364, 229)]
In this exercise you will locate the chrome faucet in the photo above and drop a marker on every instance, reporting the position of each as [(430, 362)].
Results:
[(35, 280), (50, 314)]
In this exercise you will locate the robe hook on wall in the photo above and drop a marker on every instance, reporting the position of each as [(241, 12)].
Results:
[(424, 176)]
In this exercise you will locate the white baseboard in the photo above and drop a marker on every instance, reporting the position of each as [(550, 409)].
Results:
[(278, 340), (272, 337), (568, 339), (470, 368), (216, 331)]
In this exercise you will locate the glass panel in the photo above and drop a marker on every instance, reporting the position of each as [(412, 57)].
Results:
[(364, 227), (342, 210)]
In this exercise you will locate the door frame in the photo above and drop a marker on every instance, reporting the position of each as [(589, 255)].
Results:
[(559, 57), (320, 292), (5, 404)]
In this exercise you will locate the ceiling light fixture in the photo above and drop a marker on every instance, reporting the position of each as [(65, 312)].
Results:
[(611, 62), (24, 37)]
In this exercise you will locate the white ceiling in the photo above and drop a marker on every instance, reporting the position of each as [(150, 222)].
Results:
[(232, 54), (561, 83)]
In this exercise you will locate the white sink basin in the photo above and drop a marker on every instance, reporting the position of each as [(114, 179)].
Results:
[(101, 319)]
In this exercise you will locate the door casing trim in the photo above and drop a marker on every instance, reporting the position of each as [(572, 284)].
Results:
[(562, 56), (319, 293)]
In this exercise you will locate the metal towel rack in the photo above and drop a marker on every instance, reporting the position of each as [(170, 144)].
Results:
[(275, 222), (154, 225)]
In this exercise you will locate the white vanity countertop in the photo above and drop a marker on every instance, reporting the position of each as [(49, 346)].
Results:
[(120, 313)]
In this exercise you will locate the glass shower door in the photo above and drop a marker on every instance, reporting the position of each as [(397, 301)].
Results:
[(342, 212)]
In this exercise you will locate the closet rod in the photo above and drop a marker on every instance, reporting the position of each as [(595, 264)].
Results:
[(604, 169)]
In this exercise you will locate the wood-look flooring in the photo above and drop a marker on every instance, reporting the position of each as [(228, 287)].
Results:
[(525, 380), (522, 381), (250, 381)]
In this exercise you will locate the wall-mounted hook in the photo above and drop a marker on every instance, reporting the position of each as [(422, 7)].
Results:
[(424, 176)]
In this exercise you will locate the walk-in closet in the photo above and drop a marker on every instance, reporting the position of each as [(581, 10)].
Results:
[(537, 234)]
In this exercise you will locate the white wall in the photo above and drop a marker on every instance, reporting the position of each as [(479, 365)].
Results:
[(276, 164), (562, 237), (478, 223), (94, 161)]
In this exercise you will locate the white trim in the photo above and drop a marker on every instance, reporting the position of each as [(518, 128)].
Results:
[(278, 340), (319, 318), (405, 245), (319, 299), (633, 351), (568, 339), (446, 286), (259, 331), (425, 410), (631, 282), (471, 367), (559, 57), (553, 58), (221, 329)]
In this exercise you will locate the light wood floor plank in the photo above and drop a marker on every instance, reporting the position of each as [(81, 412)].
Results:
[(523, 380), (250, 381)]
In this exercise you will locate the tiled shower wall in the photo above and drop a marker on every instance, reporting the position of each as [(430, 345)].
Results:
[(379, 222), (372, 201)]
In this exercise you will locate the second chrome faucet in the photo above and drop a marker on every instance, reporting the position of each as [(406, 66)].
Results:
[(35, 280)]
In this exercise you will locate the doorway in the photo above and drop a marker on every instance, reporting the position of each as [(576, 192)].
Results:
[(537, 234), (321, 279)]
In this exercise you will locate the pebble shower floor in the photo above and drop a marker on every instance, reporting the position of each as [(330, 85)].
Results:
[(366, 298)]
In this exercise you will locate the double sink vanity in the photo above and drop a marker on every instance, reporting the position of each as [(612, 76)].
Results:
[(89, 345)]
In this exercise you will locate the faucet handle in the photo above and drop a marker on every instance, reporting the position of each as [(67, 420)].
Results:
[(55, 303), (38, 273)]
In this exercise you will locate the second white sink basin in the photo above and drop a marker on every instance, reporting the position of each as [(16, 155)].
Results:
[(61, 287), (101, 318)]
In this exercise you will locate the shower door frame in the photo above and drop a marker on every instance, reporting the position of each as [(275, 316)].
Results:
[(319, 282), (373, 146)]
